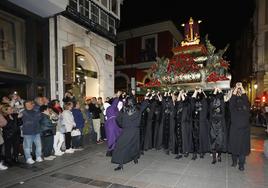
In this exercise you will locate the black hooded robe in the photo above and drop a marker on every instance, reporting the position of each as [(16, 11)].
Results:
[(239, 137), (128, 144), (218, 131), (200, 123)]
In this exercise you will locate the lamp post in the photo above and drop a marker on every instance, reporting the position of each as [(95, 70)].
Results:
[(256, 86)]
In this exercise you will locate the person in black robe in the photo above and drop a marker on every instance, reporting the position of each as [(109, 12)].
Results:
[(239, 137), (178, 125), (143, 124), (184, 125), (128, 144), (158, 129), (168, 123), (200, 131), (217, 125), (149, 125)]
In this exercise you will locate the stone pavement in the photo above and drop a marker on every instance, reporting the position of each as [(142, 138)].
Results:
[(90, 168)]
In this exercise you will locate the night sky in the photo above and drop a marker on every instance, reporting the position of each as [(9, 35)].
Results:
[(222, 20)]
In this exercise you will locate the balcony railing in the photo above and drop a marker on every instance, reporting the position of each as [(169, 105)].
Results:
[(77, 17)]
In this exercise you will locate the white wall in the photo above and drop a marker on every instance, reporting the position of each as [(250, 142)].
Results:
[(95, 48)]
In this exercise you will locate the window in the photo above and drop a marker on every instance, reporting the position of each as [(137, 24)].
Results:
[(73, 4), (149, 43), (114, 6), (84, 7), (104, 3), (149, 48), (95, 13), (104, 20), (111, 25), (120, 53), (12, 44)]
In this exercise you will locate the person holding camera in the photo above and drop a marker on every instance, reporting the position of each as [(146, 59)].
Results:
[(239, 137)]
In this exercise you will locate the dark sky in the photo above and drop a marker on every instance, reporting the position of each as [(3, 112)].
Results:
[(222, 20)]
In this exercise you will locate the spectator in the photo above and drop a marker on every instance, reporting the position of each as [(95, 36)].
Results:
[(17, 103), (80, 123), (38, 102), (102, 120), (47, 134), (93, 134), (3, 123), (5, 100), (69, 124), (69, 97), (60, 129), (11, 134), (31, 132), (95, 111)]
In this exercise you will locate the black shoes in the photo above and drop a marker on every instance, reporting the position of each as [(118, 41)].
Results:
[(202, 155), (178, 157), (136, 161), (241, 167), (120, 167), (194, 157), (219, 159), (109, 153), (234, 164), (186, 154)]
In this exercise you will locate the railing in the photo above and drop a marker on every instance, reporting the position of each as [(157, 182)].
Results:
[(77, 17)]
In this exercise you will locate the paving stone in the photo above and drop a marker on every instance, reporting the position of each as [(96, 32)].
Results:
[(102, 184)]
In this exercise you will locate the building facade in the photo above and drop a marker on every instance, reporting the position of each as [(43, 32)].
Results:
[(137, 50), (80, 36), (24, 54), (260, 47)]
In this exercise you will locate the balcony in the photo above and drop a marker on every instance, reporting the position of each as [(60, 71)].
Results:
[(91, 25)]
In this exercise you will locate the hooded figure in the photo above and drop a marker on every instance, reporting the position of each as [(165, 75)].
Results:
[(111, 128), (128, 144), (239, 138)]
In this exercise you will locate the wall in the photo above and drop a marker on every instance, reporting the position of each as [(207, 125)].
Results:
[(95, 46), (165, 40), (133, 48)]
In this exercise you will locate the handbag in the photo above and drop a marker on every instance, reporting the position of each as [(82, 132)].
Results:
[(75, 132)]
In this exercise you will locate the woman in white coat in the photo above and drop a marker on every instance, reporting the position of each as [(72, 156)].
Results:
[(69, 124)]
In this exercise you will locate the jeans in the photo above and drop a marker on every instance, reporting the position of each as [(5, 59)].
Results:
[(28, 141), (58, 141)]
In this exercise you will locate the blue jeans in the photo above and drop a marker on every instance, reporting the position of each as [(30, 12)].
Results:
[(28, 141)]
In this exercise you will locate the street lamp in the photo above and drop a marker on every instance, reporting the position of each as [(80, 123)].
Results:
[(255, 86)]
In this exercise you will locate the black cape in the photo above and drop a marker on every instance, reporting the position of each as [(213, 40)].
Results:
[(128, 144), (239, 137), (218, 131)]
